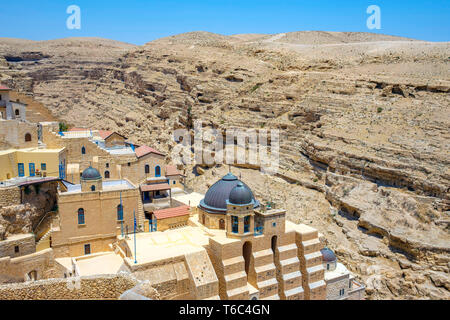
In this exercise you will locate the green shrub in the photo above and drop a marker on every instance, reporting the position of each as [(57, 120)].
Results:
[(379, 109), (63, 127)]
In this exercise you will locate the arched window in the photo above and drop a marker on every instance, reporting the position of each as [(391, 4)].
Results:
[(83, 150), (222, 224), (81, 216), (119, 212), (157, 171), (147, 169), (27, 137), (17, 112), (106, 174), (92, 188)]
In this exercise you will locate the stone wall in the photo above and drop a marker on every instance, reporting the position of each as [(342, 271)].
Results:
[(9, 196), (17, 245), (108, 287), (335, 285), (173, 222), (38, 265), (12, 134)]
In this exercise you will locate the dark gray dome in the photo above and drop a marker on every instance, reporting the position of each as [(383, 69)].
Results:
[(240, 194), (90, 174), (216, 197), (328, 255)]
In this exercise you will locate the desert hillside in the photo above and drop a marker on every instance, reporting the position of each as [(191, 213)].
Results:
[(364, 122)]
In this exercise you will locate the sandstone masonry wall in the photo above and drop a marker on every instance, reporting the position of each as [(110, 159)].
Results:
[(107, 287), (9, 196)]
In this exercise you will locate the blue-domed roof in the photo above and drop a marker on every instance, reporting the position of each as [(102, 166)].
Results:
[(216, 197), (91, 174), (241, 194), (328, 255)]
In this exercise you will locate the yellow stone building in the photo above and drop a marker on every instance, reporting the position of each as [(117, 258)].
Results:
[(92, 214)]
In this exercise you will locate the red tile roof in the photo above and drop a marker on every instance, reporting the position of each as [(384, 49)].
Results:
[(144, 150), (105, 133), (4, 88), (155, 187), (171, 212), (172, 171)]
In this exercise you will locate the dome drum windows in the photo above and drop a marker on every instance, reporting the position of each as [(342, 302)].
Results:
[(234, 224)]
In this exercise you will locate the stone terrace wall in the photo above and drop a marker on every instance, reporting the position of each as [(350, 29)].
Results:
[(9, 196), (108, 287)]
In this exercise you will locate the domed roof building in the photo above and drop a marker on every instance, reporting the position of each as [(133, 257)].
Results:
[(91, 180), (216, 197), (241, 194), (90, 174), (329, 259)]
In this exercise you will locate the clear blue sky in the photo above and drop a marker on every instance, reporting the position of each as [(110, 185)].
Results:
[(140, 21)]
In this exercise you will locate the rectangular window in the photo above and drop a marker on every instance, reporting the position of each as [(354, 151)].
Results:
[(21, 169), (43, 166), (246, 224), (235, 224), (16, 249), (32, 169), (87, 249)]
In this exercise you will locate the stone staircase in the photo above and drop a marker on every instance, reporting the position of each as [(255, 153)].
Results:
[(44, 241), (235, 278), (140, 212), (265, 274), (289, 276), (311, 266)]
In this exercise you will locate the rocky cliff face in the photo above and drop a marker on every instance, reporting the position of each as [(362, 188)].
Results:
[(364, 120)]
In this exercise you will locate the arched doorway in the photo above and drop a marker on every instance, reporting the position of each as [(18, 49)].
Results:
[(274, 243), (157, 171), (222, 224), (27, 137), (247, 252), (32, 275)]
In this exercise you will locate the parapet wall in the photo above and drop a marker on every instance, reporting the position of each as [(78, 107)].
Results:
[(38, 265), (103, 287)]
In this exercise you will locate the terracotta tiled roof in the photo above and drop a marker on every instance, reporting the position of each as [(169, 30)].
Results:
[(105, 133), (4, 88), (144, 150), (171, 212), (172, 171), (155, 187)]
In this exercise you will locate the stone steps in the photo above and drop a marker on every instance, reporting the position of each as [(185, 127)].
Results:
[(310, 246), (313, 259), (288, 251), (235, 280), (240, 293), (233, 265), (296, 293), (268, 288), (263, 257)]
